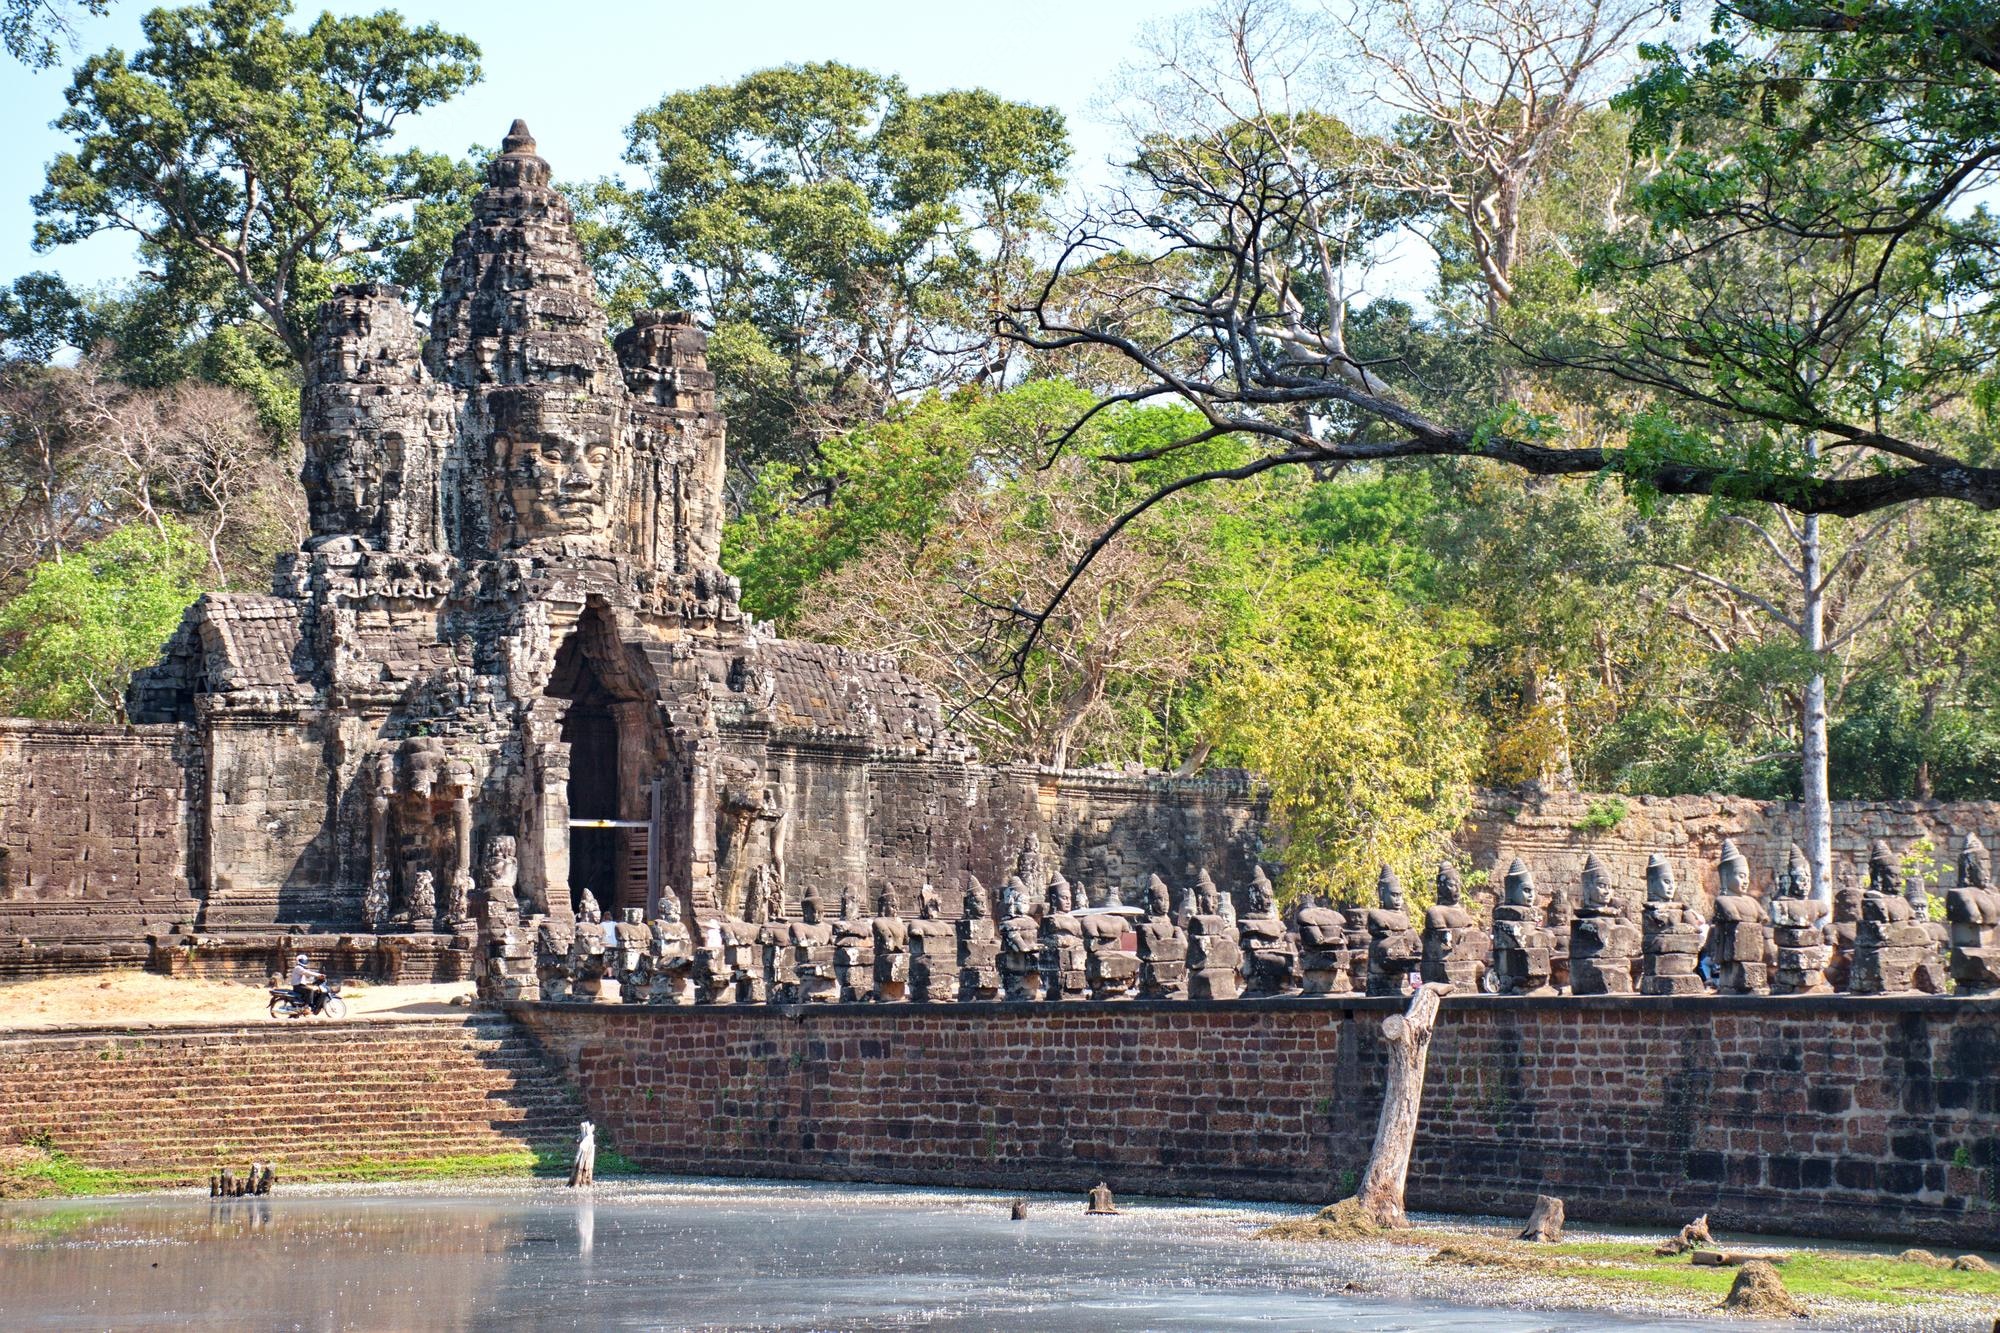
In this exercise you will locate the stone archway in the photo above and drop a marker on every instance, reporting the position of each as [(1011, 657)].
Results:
[(611, 733)]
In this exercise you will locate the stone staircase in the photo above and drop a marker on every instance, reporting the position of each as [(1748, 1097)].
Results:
[(326, 1101)]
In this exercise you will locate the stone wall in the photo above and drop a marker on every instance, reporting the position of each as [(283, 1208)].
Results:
[(170, 1104), (1873, 1118), (1688, 830), (93, 845)]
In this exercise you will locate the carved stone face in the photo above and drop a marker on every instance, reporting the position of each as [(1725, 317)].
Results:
[(1157, 898), (555, 471)]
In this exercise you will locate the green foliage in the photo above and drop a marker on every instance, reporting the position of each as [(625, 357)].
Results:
[(84, 622), (252, 159), (847, 240), (1342, 699), (1602, 815), (33, 31)]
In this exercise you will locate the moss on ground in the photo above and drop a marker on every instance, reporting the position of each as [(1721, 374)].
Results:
[(1829, 1275), (44, 1173)]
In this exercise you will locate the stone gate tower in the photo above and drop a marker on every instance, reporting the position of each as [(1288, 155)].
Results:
[(509, 623)]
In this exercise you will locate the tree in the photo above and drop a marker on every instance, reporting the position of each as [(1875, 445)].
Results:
[(1265, 311), (87, 619), (849, 241), (35, 31), (1344, 700), (252, 160)]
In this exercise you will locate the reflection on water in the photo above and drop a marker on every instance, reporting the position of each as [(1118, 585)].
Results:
[(679, 1255)]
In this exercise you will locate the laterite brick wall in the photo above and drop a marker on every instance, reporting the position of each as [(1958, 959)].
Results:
[(1828, 1115), (323, 1100)]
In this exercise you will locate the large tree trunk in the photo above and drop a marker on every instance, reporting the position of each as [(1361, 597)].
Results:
[(1408, 1036), (1814, 784)]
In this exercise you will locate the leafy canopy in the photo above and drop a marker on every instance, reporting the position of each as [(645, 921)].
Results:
[(86, 620), (847, 239), (253, 160)]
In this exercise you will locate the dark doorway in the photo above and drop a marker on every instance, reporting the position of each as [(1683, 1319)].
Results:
[(592, 734)]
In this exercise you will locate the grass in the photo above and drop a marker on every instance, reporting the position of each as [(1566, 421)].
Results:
[(44, 1173), (1808, 1274)]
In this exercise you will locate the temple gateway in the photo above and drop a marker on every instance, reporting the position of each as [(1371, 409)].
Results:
[(508, 648)]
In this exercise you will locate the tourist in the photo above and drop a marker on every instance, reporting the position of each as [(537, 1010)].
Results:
[(305, 983)]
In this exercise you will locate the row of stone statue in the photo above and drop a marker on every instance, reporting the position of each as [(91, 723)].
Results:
[(1873, 940)]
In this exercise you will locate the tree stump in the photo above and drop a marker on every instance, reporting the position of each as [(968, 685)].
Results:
[(1408, 1037), (1545, 1222), (583, 1171)]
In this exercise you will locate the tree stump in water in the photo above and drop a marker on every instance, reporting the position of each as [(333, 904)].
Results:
[(1545, 1222), (583, 1171), (1408, 1037)]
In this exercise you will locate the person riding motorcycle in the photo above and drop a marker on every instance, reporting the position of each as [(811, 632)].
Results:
[(305, 984)]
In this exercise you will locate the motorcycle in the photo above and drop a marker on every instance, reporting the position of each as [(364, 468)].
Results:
[(285, 1003)]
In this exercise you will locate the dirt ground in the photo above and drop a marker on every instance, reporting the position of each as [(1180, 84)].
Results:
[(140, 997)]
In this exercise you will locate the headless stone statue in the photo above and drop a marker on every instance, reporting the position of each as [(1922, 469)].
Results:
[(1113, 969), (1739, 933), (552, 945), (1972, 914), (423, 901), (978, 947), (1163, 947), (1934, 969), (1798, 928), (507, 969), (1521, 944), (774, 939), (1270, 958), (1605, 942), (1560, 915), (1323, 950), (1670, 935), (933, 952), (1394, 950), (1454, 947)]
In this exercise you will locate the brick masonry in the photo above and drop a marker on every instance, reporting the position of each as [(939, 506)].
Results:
[(176, 1102), (1871, 1118)]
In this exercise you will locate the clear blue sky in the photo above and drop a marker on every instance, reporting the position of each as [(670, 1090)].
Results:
[(578, 70)]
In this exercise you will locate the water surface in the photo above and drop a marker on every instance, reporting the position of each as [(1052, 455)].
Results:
[(697, 1255)]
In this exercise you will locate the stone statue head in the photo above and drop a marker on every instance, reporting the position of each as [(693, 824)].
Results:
[(1596, 885), (1062, 898), (1884, 869), (1013, 897), (1389, 891), (1159, 900), (850, 904), (1028, 864), (1263, 898), (1519, 886), (670, 907), (885, 902), (1450, 889), (809, 908), (927, 903), (1972, 864), (975, 899), (1733, 874), (1560, 908), (1795, 881), (1207, 897), (1659, 880), (555, 470), (1919, 895), (501, 870), (588, 910)]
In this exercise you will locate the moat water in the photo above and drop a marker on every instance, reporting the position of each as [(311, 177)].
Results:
[(700, 1255)]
